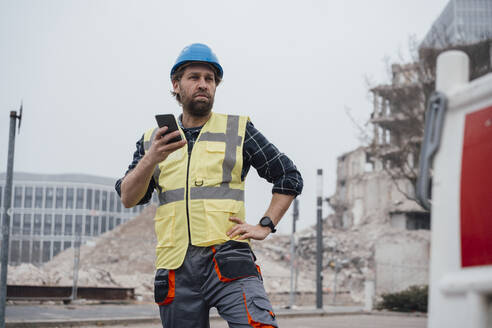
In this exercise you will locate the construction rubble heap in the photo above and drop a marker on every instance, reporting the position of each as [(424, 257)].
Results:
[(124, 257)]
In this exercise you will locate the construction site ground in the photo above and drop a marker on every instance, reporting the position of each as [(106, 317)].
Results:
[(146, 315)]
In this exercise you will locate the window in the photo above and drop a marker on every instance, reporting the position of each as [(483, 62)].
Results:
[(88, 221), (104, 200), (78, 224), (69, 197), (111, 223), (97, 199), (88, 200), (49, 198), (36, 252), (37, 224), (68, 225), (38, 197), (28, 197), (26, 226), (111, 202), (16, 224), (46, 251), (67, 244), (59, 198), (418, 221), (1, 195), (17, 197), (25, 248), (48, 218), (56, 247), (80, 198), (96, 226), (118, 221), (15, 251), (103, 224), (58, 225), (118, 204)]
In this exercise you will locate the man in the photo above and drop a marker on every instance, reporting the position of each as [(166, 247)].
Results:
[(203, 256)]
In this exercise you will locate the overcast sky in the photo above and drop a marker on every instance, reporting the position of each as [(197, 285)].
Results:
[(92, 74)]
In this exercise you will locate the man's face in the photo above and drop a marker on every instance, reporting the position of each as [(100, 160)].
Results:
[(196, 89)]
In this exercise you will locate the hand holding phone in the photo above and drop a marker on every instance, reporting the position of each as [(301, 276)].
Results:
[(169, 121)]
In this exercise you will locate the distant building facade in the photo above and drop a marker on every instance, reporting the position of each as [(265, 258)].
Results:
[(461, 22), (50, 210), (366, 193)]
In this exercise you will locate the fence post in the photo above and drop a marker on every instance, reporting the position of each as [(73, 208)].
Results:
[(7, 211), (319, 241)]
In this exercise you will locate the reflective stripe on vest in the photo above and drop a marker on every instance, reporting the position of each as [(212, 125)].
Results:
[(215, 189), (232, 140)]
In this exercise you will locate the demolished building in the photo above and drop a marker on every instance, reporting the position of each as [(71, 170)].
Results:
[(375, 187), (375, 183)]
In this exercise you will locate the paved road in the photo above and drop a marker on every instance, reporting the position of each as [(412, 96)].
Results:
[(334, 317), (342, 321), (129, 311)]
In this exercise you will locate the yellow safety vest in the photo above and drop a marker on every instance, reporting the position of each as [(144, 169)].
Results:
[(198, 193)]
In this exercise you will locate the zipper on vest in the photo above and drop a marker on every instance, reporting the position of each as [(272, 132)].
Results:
[(187, 205)]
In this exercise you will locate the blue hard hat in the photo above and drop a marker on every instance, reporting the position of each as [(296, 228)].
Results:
[(197, 52)]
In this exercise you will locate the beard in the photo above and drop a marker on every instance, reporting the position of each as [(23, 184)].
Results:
[(197, 108)]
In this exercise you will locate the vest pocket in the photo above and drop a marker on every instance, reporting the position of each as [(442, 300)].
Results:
[(214, 158), (164, 223), (218, 212)]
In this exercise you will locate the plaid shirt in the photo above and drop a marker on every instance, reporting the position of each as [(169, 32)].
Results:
[(269, 162)]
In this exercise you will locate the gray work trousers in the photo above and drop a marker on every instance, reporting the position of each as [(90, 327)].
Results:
[(222, 276)]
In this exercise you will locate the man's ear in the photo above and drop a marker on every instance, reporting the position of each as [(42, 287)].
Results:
[(176, 88)]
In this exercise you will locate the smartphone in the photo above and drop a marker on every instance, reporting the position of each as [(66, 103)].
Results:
[(169, 121)]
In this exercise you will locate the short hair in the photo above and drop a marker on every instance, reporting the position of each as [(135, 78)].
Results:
[(178, 74)]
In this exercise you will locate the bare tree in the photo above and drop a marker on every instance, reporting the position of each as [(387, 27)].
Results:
[(399, 107)]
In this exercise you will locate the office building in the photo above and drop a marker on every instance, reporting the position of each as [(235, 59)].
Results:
[(50, 210), (461, 22)]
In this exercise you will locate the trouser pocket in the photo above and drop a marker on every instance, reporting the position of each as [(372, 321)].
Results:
[(233, 260), (164, 286)]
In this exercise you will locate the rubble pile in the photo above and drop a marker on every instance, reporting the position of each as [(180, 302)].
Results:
[(124, 257), (26, 274), (348, 254)]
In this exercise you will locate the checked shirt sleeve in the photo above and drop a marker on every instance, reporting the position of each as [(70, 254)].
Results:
[(271, 164), (137, 156)]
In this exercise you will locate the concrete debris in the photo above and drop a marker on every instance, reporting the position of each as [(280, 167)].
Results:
[(26, 274), (124, 257), (348, 255)]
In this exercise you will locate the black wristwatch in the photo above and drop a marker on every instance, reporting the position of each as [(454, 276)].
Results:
[(267, 222)]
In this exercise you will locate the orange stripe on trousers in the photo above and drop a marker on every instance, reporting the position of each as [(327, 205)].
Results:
[(171, 289)]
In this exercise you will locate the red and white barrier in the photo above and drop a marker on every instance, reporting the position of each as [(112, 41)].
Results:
[(461, 215)]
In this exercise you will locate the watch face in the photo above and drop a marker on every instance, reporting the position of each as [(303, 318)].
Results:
[(265, 221)]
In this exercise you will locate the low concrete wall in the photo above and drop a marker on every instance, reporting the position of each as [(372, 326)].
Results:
[(400, 263)]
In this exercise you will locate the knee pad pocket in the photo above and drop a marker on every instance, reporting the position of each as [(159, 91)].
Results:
[(258, 308)]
